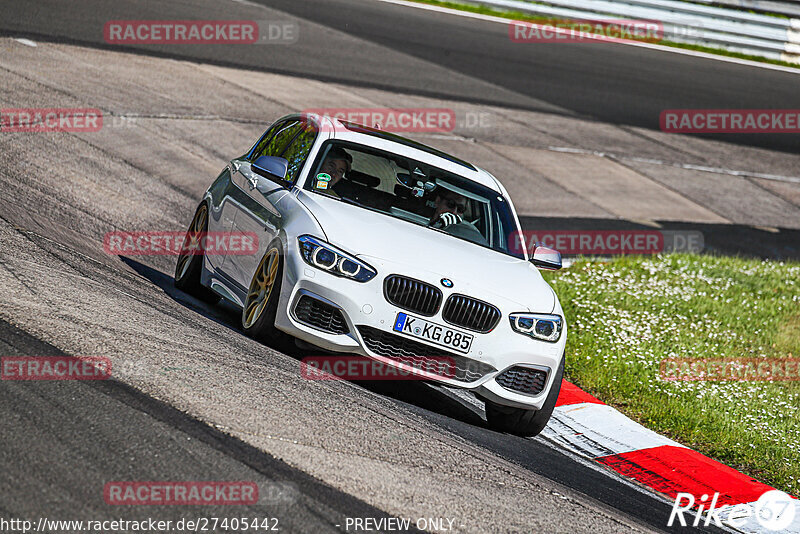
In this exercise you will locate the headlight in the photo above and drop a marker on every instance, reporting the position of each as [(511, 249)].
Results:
[(538, 326), (325, 256)]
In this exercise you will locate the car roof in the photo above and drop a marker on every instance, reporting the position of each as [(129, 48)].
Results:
[(390, 142)]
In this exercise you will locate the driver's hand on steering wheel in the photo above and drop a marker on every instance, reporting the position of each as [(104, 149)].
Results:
[(447, 219)]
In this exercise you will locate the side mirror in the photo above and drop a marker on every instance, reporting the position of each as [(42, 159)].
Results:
[(271, 167), (546, 258)]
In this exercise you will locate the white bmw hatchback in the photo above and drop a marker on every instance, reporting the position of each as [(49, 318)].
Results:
[(373, 244)]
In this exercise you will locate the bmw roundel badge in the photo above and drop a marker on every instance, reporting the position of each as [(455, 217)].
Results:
[(446, 282)]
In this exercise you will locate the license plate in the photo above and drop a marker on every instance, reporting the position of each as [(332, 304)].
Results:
[(433, 333)]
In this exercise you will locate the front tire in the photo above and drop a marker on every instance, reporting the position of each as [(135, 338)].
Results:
[(190, 262), (524, 422), (261, 304)]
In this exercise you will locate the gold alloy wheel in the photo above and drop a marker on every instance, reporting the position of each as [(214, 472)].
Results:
[(192, 242), (261, 288)]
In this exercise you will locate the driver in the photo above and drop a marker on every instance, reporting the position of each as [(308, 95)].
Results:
[(448, 210)]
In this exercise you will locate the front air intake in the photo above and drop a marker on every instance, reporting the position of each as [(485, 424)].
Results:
[(523, 380), (410, 352), (320, 315)]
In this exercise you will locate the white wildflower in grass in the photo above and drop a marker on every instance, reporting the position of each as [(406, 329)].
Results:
[(627, 315)]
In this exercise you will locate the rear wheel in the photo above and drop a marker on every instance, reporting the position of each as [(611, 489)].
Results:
[(190, 260), (261, 304), (524, 422)]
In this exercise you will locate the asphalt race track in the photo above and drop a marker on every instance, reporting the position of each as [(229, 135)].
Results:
[(58, 437), (191, 397), (382, 45)]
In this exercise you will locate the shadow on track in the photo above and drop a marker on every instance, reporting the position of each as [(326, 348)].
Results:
[(414, 392), (119, 433)]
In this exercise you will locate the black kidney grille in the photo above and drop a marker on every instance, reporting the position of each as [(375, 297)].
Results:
[(320, 315), (412, 295), (409, 352), (470, 313), (523, 380)]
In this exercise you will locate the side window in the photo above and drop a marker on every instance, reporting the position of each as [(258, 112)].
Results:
[(273, 145), (297, 153), (265, 139)]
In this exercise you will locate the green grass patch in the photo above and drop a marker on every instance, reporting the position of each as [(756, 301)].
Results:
[(627, 315), (530, 17)]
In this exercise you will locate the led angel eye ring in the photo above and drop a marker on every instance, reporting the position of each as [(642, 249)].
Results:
[(525, 329), (345, 272), (315, 259)]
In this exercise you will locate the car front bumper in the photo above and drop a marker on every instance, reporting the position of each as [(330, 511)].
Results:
[(364, 307)]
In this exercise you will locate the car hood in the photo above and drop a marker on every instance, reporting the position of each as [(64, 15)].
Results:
[(406, 248)]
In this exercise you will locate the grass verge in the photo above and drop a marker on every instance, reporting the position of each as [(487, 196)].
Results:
[(627, 315), (529, 17)]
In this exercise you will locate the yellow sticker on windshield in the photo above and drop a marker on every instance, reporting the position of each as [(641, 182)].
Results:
[(321, 184)]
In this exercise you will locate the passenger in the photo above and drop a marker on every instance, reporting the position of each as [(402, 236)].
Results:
[(337, 163)]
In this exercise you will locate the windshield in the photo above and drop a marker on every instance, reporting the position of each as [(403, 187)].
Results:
[(415, 192)]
